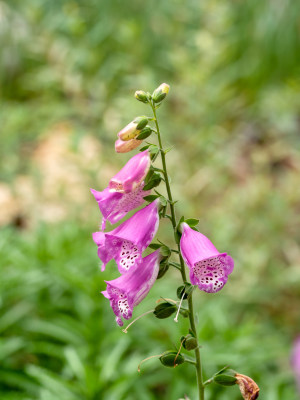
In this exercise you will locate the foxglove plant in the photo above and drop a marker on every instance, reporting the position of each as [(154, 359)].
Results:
[(208, 268)]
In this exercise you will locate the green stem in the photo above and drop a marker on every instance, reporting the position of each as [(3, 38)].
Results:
[(198, 365)]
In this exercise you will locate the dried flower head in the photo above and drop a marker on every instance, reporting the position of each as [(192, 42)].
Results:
[(248, 388)]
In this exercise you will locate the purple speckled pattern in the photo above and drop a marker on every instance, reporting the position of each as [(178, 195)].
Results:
[(127, 291), (209, 269), (114, 205), (126, 243), (295, 361), (132, 174)]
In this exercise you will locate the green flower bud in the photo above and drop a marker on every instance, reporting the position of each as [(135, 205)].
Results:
[(171, 359), (160, 93), (164, 310), (141, 96)]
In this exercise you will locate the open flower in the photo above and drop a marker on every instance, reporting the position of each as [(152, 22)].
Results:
[(295, 361), (114, 206), (130, 289), (209, 269), (127, 242), (125, 191), (132, 174)]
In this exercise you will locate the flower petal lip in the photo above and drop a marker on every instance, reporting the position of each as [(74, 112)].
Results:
[(132, 174), (126, 243), (128, 290), (209, 269), (114, 205), (122, 146)]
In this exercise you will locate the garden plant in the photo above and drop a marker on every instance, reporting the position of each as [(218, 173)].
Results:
[(135, 185)]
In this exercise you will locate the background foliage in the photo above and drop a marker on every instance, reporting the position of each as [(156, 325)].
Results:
[(68, 73)]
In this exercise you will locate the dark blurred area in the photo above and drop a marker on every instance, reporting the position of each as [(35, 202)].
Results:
[(68, 73)]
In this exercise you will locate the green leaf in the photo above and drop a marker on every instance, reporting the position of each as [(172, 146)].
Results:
[(145, 147), (163, 268), (151, 198), (192, 222), (168, 149), (155, 246), (164, 310), (153, 182)]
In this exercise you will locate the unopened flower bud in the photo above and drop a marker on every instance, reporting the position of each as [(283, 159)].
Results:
[(164, 310), (141, 96), (160, 93), (248, 388), (171, 359), (128, 132), (122, 146)]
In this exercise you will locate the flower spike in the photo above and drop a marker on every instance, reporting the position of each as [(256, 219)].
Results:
[(209, 269), (127, 242), (127, 291)]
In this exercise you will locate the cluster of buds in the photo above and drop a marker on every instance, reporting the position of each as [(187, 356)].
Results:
[(132, 135)]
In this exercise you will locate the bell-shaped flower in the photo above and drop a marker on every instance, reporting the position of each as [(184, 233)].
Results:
[(130, 289), (126, 243), (209, 269), (132, 174), (114, 206), (125, 191)]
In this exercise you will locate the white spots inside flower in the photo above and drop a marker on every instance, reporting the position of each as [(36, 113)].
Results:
[(124, 308), (210, 274), (129, 254)]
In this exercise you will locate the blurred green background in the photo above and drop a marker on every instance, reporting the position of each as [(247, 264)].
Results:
[(68, 73)]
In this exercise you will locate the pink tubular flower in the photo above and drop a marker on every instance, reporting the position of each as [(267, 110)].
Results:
[(209, 269), (295, 361), (125, 191), (132, 174), (114, 206), (122, 146), (127, 242), (130, 289)]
